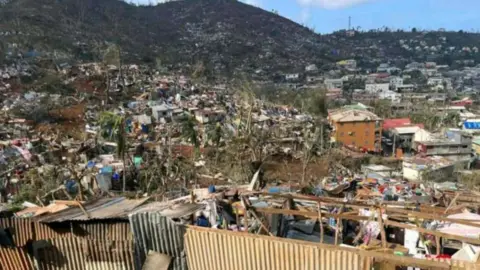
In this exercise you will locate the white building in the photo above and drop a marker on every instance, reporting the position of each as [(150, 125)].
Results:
[(432, 168), (394, 97), (377, 87), (292, 76), (435, 81), (165, 111), (405, 88), (333, 83), (311, 68), (395, 81)]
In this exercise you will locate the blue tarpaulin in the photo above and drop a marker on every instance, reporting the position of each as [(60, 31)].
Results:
[(471, 125)]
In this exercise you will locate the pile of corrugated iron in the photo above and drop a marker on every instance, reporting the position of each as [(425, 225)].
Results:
[(236, 228)]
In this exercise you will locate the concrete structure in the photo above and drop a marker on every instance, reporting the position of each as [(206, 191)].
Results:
[(405, 88), (209, 116), (358, 128), (333, 83), (436, 169), (165, 111), (393, 97), (454, 144), (377, 87), (396, 81)]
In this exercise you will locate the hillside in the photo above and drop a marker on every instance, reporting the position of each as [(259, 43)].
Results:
[(227, 36)]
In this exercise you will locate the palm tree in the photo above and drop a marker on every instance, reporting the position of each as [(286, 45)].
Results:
[(113, 127)]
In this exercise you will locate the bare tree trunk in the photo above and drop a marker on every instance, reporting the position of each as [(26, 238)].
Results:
[(124, 172), (107, 90)]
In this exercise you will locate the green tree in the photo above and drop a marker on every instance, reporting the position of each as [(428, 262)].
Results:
[(113, 128)]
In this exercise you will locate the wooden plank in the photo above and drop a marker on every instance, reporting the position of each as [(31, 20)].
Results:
[(433, 217), (309, 214), (452, 203), (382, 228), (321, 222)]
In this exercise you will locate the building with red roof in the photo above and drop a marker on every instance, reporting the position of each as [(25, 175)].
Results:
[(396, 122)]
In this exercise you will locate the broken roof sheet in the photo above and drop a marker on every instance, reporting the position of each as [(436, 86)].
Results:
[(353, 116), (105, 208)]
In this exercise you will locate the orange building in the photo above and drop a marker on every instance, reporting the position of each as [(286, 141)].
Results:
[(357, 128)]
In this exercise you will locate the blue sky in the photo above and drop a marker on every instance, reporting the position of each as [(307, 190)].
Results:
[(326, 16)]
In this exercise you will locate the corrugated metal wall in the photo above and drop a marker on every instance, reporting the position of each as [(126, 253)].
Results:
[(79, 254), (21, 229), (154, 232), (454, 264), (216, 249), (110, 231), (15, 259)]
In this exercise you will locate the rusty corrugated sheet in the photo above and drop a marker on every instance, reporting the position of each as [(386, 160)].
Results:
[(109, 254), (44, 231), (105, 208), (15, 259), (110, 231), (60, 253), (79, 253), (216, 249), (21, 230), (152, 231)]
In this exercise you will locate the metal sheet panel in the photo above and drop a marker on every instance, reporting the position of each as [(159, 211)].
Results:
[(44, 231), (61, 253), (109, 254), (152, 231), (21, 229), (110, 231), (15, 259), (80, 253), (105, 208), (215, 249)]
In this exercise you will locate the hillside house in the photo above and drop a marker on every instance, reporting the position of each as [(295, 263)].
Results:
[(166, 112), (333, 83), (209, 116), (435, 168), (358, 128), (454, 144), (405, 88), (377, 87), (395, 81)]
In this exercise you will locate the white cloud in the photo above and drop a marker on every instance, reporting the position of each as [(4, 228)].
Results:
[(304, 16), (331, 4), (255, 3)]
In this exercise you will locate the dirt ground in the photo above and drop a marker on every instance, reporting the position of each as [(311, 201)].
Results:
[(72, 123), (290, 170)]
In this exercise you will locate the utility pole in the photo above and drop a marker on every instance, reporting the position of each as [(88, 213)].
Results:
[(394, 142)]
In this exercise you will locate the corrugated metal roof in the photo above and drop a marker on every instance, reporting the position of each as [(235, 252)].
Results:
[(406, 130), (152, 231), (106, 208), (353, 116)]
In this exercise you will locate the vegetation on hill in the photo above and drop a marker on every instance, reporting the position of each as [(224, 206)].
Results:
[(223, 36)]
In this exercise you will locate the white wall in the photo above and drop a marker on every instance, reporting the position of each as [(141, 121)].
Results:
[(411, 174), (377, 87)]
